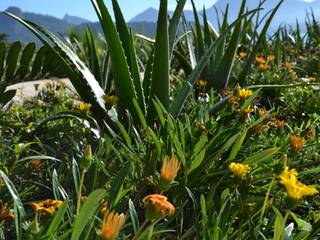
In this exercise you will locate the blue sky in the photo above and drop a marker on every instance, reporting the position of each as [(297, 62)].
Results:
[(83, 8)]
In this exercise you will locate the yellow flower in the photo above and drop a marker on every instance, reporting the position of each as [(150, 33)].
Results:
[(110, 100), (157, 206), (297, 142), (202, 83), (293, 74), (262, 112), (239, 169), (111, 225), (245, 93), (263, 67), (170, 168), (84, 107), (242, 55), (248, 110), (271, 58), (6, 213), (260, 60), (312, 78), (46, 206), (296, 190)]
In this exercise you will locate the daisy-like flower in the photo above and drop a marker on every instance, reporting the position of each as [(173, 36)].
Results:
[(245, 93), (202, 83), (296, 190), (288, 65), (110, 100), (112, 224), (48, 206), (242, 55), (36, 164), (238, 169), (157, 206), (312, 79), (263, 67), (260, 60), (297, 142), (293, 74), (84, 107), (271, 58), (6, 213), (170, 168)]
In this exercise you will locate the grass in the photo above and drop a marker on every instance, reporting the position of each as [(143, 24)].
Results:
[(202, 145)]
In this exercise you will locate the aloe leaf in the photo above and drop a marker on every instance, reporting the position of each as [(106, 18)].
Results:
[(122, 77), (2, 58), (160, 74), (174, 24), (224, 70), (127, 41), (85, 84)]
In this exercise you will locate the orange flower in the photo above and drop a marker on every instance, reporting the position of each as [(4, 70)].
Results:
[(36, 164), (202, 83), (46, 206), (263, 67), (157, 206), (260, 60), (242, 55), (288, 65), (312, 78), (293, 74), (297, 142), (6, 213), (170, 168), (271, 58), (112, 224)]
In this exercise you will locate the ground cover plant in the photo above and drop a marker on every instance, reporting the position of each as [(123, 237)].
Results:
[(201, 134)]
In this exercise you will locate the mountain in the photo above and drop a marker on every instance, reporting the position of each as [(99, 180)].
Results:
[(16, 31), (289, 12), (74, 20)]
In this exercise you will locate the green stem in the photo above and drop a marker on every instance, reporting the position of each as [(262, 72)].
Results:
[(271, 86), (80, 191)]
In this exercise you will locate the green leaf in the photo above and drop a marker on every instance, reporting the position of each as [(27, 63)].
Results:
[(12, 61), (251, 58), (18, 206), (261, 156), (122, 77), (117, 184), (2, 58), (87, 211), (57, 220), (26, 59), (7, 96), (174, 24), (237, 145), (279, 225), (133, 216), (160, 80)]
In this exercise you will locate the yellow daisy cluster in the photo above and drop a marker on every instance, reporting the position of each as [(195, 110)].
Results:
[(46, 206), (296, 190), (84, 107), (239, 169), (245, 93)]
